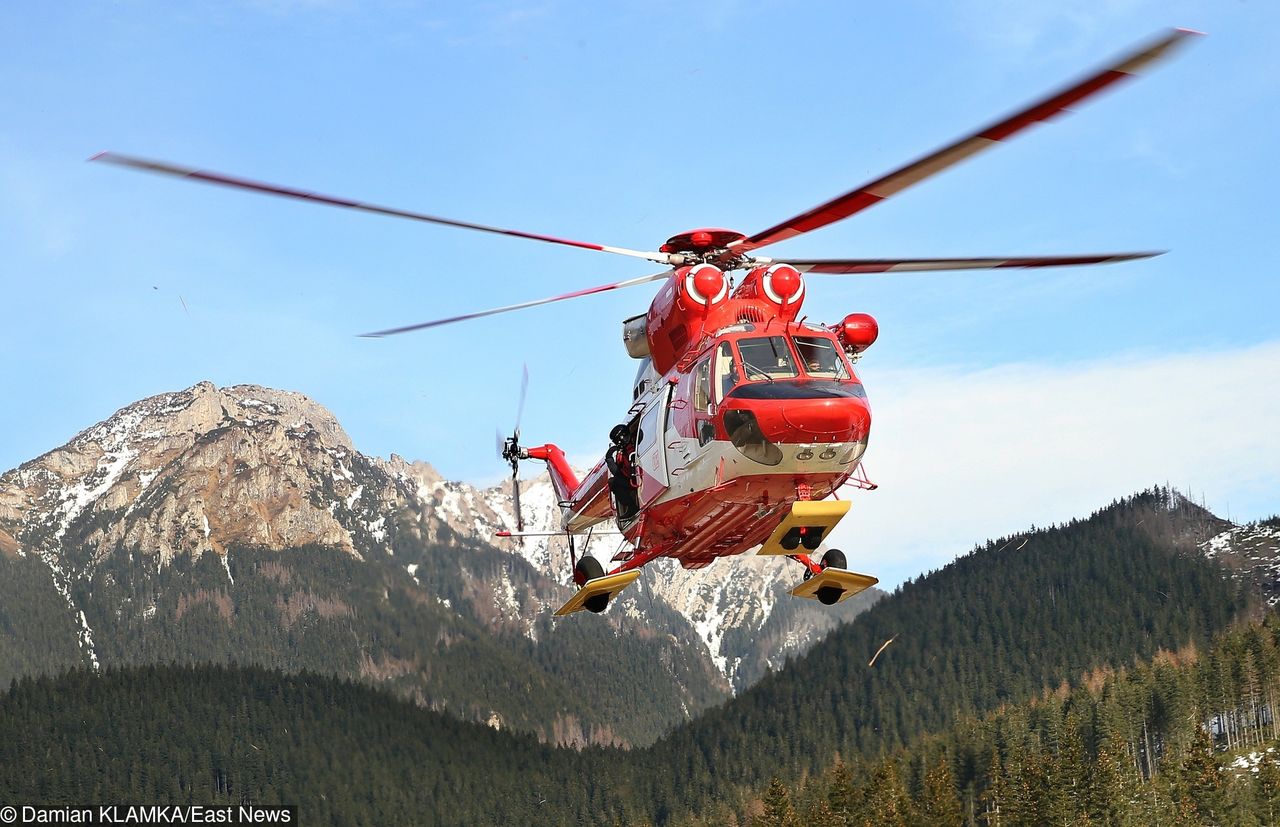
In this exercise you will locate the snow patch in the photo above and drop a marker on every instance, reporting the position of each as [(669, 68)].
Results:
[(81, 495), (61, 584)]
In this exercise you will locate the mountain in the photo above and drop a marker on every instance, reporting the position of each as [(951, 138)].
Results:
[(1032, 681), (1187, 737), (242, 524), (1017, 617)]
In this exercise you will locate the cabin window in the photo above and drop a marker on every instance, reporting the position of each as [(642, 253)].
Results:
[(702, 386), (766, 357), (726, 371), (648, 430), (821, 357)]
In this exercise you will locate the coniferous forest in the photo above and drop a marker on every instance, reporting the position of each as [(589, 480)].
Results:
[(1088, 672), (1188, 737)]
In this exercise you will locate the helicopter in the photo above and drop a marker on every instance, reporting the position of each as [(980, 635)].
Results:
[(746, 418)]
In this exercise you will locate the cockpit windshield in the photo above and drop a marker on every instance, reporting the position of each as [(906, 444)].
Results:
[(821, 358), (766, 358)]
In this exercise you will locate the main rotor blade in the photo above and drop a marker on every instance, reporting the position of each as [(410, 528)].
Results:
[(209, 177), (850, 266), (575, 294), (876, 191)]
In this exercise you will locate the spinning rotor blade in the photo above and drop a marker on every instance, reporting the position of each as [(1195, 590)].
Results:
[(515, 494), (524, 390), (849, 266), (575, 294), (871, 193), (289, 192)]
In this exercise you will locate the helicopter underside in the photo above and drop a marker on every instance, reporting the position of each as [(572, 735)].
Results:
[(721, 503)]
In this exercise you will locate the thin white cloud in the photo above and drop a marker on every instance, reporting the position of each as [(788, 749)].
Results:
[(962, 456)]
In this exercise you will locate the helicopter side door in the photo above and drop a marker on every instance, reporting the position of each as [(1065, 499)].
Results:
[(713, 378), (651, 456)]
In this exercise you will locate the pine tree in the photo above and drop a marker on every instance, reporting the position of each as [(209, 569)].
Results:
[(778, 811), (940, 804), (888, 804), (1202, 783), (1268, 794), (995, 797), (840, 796)]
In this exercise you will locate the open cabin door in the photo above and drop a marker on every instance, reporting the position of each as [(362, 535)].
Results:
[(651, 455)]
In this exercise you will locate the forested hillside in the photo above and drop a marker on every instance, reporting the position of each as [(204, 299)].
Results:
[(1190, 737), (994, 627), (343, 753), (316, 608), (1022, 618)]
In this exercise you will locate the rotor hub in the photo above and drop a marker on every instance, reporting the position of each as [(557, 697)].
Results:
[(701, 241)]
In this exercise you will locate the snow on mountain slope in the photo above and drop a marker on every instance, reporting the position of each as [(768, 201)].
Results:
[(739, 606), (1252, 550)]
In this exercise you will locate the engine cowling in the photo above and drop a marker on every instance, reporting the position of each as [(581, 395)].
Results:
[(704, 285), (680, 313), (781, 285)]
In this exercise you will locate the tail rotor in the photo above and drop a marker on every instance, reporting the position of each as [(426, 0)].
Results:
[(510, 450)]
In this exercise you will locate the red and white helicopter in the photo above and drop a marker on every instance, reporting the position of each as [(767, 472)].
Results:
[(745, 416)]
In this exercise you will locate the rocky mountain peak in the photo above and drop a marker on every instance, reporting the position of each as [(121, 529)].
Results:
[(183, 472)]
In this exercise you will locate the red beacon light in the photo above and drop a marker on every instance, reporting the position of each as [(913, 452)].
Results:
[(858, 332)]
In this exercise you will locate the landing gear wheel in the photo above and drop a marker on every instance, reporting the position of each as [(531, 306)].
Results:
[(588, 568), (829, 595), (833, 559)]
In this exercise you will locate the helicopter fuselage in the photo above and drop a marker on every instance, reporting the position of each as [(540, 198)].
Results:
[(738, 411)]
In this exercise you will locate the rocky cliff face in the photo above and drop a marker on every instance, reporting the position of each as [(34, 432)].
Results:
[(201, 469), (133, 509)]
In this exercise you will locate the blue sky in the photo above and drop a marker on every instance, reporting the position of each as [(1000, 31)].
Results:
[(623, 124)]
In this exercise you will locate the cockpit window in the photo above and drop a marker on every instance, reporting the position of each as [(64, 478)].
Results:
[(821, 357), (726, 371), (766, 357)]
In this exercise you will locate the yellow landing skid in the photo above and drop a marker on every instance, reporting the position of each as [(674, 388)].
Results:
[(850, 583), (823, 514), (610, 584)]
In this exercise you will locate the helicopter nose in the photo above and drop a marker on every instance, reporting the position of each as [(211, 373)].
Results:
[(811, 420), (823, 420)]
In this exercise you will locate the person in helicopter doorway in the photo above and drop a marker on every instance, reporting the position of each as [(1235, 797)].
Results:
[(621, 473)]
